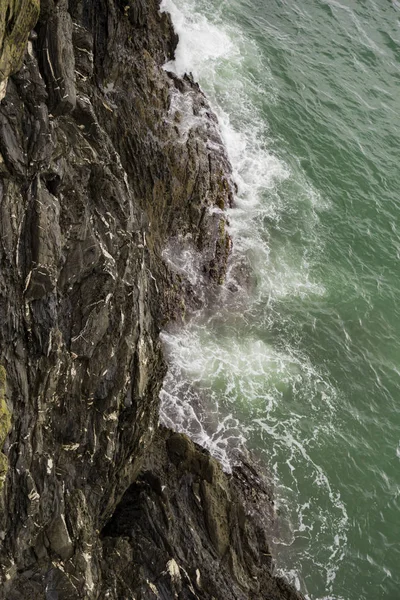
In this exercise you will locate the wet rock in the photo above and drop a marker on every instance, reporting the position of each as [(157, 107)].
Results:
[(185, 535), (99, 173), (59, 538), (57, 58)]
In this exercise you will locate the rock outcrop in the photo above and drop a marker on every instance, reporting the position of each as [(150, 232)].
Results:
[(105, 160), (186, 530)]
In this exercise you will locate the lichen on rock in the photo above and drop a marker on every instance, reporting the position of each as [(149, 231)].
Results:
[(17, 19), (5, 425)]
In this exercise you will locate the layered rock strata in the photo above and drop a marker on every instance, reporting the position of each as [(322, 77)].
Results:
[(106, 160), (191, 531)]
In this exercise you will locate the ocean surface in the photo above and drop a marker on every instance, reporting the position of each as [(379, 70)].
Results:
[(303, 363)]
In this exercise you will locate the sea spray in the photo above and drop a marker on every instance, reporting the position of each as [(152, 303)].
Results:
[(234, 377)]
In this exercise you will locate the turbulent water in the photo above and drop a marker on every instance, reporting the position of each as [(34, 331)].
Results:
[(303, 364)]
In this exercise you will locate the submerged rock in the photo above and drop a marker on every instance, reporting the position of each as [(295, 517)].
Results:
[(104, 160)]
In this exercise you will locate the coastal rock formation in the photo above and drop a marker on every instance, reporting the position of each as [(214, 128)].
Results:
[(106, 160), (186, 530)]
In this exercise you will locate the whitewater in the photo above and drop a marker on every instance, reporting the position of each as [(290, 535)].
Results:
[(242, 374)]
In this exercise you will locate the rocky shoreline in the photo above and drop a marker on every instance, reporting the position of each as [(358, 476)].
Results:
[(100, 171)]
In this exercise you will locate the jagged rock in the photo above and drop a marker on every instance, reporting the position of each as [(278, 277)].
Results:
[(57, 58), (59, 538), (17, 18), (99, 174), (187, 530)]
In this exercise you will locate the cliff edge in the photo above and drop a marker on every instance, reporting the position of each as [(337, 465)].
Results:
[(105, 159)]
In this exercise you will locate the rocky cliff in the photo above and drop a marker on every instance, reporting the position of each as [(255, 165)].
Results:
[(105, 160)]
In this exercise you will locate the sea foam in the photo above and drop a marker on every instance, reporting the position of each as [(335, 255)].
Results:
[(227, 384)]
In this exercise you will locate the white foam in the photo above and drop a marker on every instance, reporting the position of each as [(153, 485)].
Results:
[(183, 258), (199, 41), (221, 58), (226, 384)]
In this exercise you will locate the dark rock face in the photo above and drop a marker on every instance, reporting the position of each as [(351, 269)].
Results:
[(186, 530), (105, 159)]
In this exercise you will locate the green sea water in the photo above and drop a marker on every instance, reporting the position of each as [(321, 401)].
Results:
[(303, 365)]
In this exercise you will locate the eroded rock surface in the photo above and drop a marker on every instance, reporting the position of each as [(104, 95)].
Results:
[(187, 530), (105, 159)]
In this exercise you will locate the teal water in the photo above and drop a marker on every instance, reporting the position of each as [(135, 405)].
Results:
[(304, 365)]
